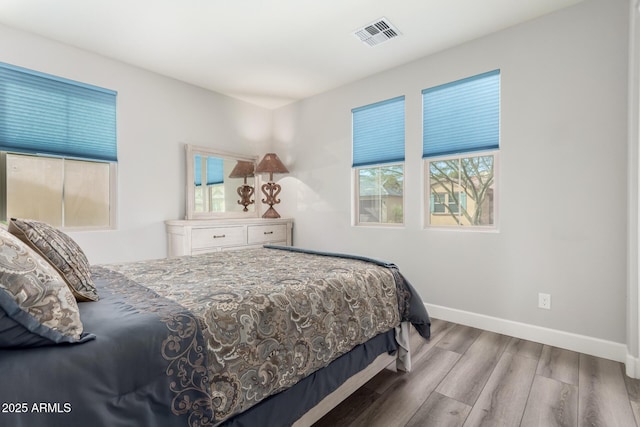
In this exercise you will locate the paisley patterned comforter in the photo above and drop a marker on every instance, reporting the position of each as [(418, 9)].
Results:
[(271, 317)]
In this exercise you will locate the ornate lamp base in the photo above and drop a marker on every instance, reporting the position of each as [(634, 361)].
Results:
[(245, 192), (271, 191), (271, 213)]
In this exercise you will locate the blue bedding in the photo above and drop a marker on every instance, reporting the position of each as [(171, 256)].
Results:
[(118, 379)]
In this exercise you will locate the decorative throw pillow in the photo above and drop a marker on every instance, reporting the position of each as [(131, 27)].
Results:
[(36, 306), (62, 252)]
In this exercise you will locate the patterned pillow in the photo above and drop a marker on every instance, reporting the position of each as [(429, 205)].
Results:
[(36, 306), (62, 252)]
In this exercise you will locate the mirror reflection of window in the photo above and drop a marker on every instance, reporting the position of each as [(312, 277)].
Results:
[(214, 190), (213, 182), (216, 198), (209, 183)]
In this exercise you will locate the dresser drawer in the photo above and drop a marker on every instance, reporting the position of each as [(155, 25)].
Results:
[(215, 237), (267, 233)]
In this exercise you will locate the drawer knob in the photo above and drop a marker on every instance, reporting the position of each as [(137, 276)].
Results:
[(268, 232), (219, 236)]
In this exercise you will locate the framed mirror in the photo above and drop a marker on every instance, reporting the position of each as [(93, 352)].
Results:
[(219, 184)]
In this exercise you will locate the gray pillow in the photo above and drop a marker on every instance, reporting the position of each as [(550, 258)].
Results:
[(36, 306), (62, 252)]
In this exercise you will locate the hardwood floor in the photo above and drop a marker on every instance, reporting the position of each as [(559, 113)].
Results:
[(468, 377)]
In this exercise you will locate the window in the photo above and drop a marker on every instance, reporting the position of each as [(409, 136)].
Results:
[(456, 185), (380, 194), (378, 162), (61, 192), (57, 149), (448, 203), (461, 140)]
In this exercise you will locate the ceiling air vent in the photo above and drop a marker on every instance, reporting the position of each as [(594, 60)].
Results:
[(377, 32)]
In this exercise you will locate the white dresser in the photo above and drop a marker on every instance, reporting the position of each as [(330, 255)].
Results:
[(197, 236)]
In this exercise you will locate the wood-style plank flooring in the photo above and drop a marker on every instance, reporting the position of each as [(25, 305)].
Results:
[(468, 377)]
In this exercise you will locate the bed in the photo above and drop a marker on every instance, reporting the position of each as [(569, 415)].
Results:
[(271, 336)]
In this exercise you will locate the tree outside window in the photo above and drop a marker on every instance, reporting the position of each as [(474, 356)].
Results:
[(462, 191)]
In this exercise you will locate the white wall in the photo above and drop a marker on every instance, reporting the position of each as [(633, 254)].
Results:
[(633, 328), (563, 175), (155, 116)]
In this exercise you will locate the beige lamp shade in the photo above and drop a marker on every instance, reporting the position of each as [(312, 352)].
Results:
[(271, 164), (243, 169)]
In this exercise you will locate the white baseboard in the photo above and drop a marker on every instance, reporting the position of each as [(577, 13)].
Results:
[(632, 366), (553, 337)]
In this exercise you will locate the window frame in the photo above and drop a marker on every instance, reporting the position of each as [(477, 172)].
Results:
[(373, 148), (462, 119), (356, 196), (113, 184), (496, 193)]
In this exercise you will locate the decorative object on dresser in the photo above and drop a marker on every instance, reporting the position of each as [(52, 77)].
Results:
[(271, 164), (244, 169), (192, 237)]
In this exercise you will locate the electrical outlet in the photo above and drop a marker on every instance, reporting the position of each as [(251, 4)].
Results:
[(544, 301)]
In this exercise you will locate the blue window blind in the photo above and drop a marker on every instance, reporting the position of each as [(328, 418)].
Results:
[(215, 172), (44, 114), (462, 116), (378, 133)]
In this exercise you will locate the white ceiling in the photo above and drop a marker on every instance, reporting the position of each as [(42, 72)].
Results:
[(268, 52)]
